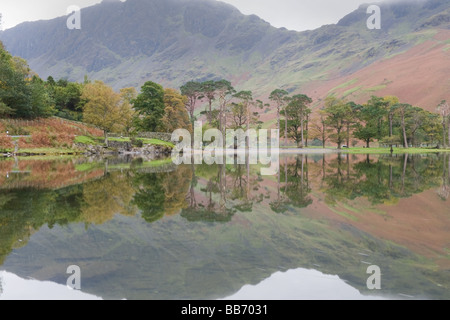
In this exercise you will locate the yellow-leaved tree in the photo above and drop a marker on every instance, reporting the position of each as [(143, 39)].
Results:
[(127, 113), (104, 108), (175, 114)]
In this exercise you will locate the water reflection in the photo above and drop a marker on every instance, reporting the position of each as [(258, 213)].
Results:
[(16, 288), (301, 284), (333, 213)]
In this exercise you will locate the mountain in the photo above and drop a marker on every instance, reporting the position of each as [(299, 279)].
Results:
[(174, 41)]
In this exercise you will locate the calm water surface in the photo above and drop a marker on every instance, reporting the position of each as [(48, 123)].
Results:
[(152, 230)]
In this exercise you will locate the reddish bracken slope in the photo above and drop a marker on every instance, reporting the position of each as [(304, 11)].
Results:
[(419, 76)]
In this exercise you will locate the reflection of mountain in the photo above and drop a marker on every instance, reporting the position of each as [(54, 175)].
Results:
[(188, 256), (16, 288), (177, 259), (300, 284)]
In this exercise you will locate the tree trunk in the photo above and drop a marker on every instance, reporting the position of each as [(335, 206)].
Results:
[(285, 129), (248, 127), (391, 120), (448, 128), (368, 144), (210, 112), (193, 202), (247, 196), (307, 131), (339, 141), (323, 134), (348, 167), (286, 174), (323, 167), (405, 139), (303, 166), (278, 118), (301, 128), (278, 185), (404, 172), (348, 134), (191, 114)]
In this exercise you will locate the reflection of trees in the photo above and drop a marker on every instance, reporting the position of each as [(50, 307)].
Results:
[(214, 210), (444, 191), (384, 180), (42, 174), (104, 198), (160, 194), (339, 180), (280, 204), (297, 187), (243, 187), (150, 196), (227, 189), (26, 209)]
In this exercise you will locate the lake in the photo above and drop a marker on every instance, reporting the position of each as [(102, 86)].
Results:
[(142, 229)]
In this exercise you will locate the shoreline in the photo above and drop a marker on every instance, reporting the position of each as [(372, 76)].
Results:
[(282, 151)]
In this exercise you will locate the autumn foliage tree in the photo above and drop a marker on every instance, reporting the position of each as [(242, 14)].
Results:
[(175, 115), (127, 113), (103, 107)]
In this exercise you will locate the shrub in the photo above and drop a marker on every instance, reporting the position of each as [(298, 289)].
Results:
[(41, 139), (5, 142), (24, 143)]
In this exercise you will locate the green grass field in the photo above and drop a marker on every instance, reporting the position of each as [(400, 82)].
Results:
[(86, 140)]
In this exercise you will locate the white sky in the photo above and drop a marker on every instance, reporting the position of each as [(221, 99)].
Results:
[(291, 14)]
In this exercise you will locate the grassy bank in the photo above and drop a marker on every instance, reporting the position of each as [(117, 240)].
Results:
[(387, 150), (378, 150)]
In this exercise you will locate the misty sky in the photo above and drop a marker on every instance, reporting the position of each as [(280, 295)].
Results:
[(291, 14)]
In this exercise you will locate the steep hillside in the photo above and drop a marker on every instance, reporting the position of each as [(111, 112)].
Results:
[(174, 41), (419, 76)]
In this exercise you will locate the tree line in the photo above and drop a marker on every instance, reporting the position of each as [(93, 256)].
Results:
[(24, 95), (385, 120)]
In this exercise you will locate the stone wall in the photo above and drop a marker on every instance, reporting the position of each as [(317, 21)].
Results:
[(120, 145), (148, 135)]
